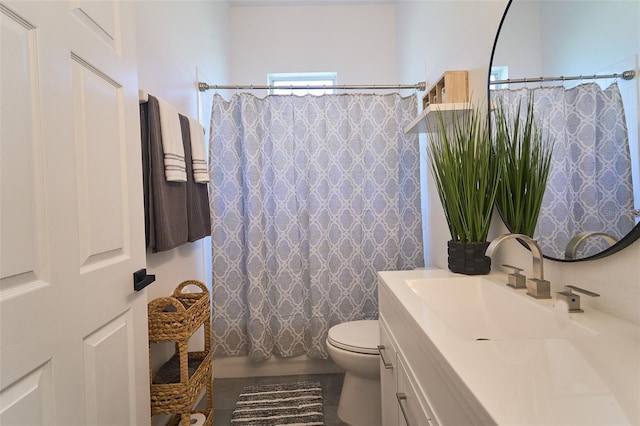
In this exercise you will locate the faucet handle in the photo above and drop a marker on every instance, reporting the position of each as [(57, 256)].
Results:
[(572, 299), (516, 279), (580, 290)]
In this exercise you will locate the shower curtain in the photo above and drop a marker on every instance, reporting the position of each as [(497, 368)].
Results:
[(310, 196), (589, 188)]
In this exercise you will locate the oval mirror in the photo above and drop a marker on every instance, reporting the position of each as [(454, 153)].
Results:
[(591, 205)]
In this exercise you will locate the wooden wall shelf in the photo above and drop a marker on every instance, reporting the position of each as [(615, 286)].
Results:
[(448, 96), (427, 122), (452, 87)]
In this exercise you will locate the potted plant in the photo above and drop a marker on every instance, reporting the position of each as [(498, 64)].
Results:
[(524, 162), (465, 170)]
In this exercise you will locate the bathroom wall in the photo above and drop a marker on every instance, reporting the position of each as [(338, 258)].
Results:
[(601, 37), (524, 20), (356, 41), (435, 36), (609, 43), (179, 43)]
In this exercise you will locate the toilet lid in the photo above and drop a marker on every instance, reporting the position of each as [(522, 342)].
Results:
[(356, 336)]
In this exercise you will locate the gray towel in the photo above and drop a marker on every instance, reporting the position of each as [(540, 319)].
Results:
[(166, 216), (198, 217)]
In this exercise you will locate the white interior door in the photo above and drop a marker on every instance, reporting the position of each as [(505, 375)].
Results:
[(73, 348)]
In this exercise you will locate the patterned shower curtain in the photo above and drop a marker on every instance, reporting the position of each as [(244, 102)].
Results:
[(310, 196), (589, 187)]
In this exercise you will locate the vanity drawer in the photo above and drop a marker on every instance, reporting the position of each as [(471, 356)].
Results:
[(388, 376), (412, 410)]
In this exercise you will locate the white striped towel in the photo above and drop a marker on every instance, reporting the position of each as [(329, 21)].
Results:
[(174, 166), (198, 152)]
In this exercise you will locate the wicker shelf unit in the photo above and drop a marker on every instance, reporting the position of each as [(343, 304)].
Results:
[(176, 386)]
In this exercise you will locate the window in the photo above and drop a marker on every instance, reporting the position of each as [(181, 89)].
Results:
[(498, 73), (286, 80)]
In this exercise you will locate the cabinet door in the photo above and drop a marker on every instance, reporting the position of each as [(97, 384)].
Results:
[(388, 380), (412, 411)]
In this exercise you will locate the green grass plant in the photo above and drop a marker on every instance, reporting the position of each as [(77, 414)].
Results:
[(524, 162), (465, 170)]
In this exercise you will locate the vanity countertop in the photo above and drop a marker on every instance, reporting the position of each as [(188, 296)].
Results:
[(587, 379)]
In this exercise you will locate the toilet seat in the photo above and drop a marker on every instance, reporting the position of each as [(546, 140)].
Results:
[(356, 336)]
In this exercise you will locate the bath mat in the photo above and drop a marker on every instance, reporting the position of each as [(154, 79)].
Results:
[(284, 404)]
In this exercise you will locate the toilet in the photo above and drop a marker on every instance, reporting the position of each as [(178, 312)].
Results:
[(354, 347)]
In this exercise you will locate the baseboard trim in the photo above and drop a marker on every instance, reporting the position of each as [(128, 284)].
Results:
[(241, 366)]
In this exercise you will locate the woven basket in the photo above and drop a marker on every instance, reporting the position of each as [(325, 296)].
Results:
[(179, 397), (178, 316)]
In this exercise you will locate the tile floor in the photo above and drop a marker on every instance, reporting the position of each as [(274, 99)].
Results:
[(226, 391)]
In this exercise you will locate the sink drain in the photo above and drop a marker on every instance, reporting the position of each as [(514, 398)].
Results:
[(482, 338)]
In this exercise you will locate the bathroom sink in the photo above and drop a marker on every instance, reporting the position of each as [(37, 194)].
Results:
[(476, 308)]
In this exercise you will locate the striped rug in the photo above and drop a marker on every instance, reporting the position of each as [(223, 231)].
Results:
[(285, 404)]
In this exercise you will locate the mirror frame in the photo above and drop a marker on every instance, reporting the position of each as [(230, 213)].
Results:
[(624, 242)]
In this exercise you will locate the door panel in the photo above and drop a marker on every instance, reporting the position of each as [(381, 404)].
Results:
[(99, 134), (99, 17), (112, 343), (23, 260), (29, 401)]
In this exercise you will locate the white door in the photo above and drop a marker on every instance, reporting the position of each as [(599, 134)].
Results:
[(73, 348)]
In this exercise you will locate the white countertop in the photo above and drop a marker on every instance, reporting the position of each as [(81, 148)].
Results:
[(581, 380)]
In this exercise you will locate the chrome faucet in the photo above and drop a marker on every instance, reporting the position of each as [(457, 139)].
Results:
[(574, 243), (537, 286)]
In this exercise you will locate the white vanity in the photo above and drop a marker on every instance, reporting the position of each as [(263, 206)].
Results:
[(462, 350)]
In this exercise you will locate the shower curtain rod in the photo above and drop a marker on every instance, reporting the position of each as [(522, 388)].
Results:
[(202, 86), (625, 75)]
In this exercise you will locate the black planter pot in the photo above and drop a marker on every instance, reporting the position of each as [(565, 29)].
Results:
[(469, 258)]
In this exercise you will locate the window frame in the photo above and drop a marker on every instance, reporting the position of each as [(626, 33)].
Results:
[(498, 73), (302, 79)]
